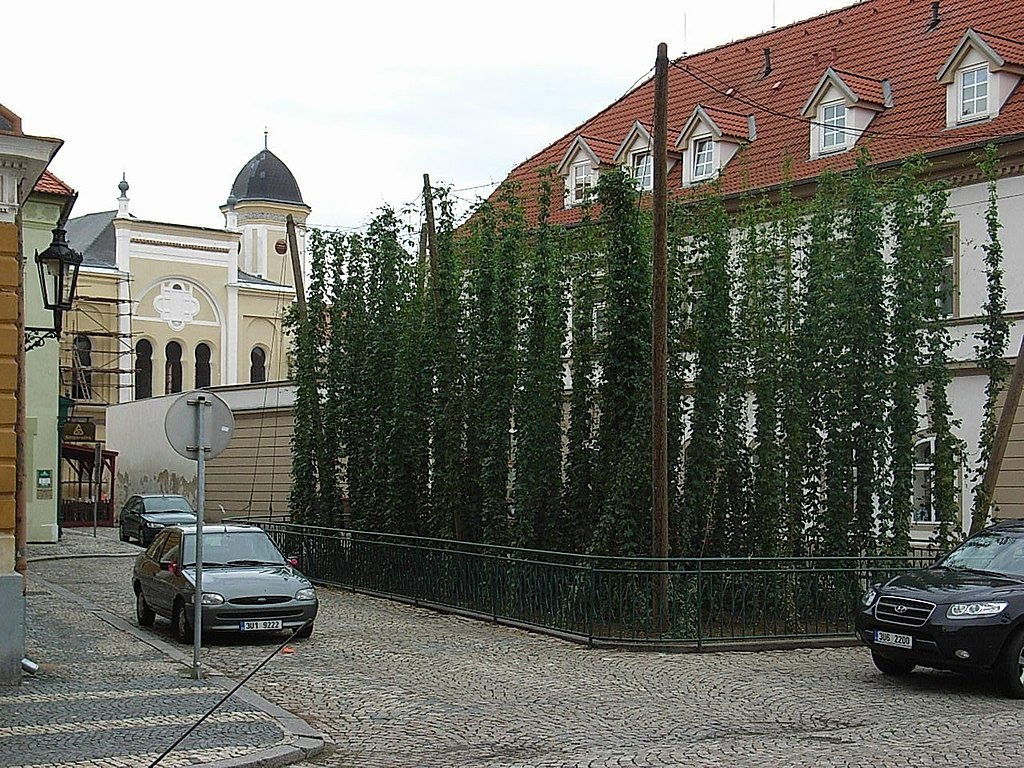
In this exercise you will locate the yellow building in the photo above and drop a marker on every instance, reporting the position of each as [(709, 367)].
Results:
[(165, 308), (23, 159)]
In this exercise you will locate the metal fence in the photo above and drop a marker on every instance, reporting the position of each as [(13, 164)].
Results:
[(599, 600)]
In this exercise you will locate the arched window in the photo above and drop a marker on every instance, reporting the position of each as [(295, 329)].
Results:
[(202, 365), (924, 468), (172, 367), (81, 368), (258, 365), (143, 369)]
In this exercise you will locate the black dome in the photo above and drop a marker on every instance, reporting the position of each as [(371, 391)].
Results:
[(265, 177)]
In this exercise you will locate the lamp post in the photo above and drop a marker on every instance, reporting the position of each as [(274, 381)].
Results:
[(58, 277)]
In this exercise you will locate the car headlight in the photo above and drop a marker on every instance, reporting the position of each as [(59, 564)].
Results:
[(306, 594), (869, 597), (212, 598), (151, 524), (971, 610)]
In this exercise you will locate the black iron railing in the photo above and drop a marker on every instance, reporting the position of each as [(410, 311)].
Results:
[(601, 600)]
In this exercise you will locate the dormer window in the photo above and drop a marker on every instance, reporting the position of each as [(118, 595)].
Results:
[(833, 127), (709, 141), (642, 169), (974, 93), (703, 158), (841, 107), (635, 158), (580, 166), (582, 181), (979, 75)]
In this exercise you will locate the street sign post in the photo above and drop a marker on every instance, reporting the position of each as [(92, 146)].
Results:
[(198, 426)]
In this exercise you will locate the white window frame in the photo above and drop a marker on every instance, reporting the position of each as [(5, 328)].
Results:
[(962, 86), (928, 468), (698, 162), (835, 135), (578, 191), (641, 169)]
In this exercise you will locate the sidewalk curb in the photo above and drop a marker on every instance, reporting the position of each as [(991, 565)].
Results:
[(302, 740)]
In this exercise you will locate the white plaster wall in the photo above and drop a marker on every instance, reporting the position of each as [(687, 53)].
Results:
[(146, 463)]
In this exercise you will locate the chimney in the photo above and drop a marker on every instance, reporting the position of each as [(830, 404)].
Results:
[(935, 15), (767, 62)]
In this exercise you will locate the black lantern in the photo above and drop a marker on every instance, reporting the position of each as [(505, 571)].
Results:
[(58, 274)]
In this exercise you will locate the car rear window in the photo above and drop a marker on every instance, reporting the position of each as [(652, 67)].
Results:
[(168, 504)]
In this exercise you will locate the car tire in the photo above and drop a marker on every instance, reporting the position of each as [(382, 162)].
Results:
[(306, 631), (182, 626), (892, 667), (143, 612), (1010, 667)]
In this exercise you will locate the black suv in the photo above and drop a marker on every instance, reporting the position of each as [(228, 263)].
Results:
[(965, 613)]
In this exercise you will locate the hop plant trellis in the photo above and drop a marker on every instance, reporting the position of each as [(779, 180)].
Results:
[(502, 395)]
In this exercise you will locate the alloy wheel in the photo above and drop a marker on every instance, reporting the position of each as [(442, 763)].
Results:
[(1020, 666)]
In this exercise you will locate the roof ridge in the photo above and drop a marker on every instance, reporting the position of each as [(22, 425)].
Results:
[(650, 76), (996, 35), (773, 30), (850, 72)]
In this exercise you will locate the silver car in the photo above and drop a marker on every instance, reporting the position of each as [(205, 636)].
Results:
[(248, 585)]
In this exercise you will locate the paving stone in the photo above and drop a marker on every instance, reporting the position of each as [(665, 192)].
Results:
[(104, 698), (396, 686)]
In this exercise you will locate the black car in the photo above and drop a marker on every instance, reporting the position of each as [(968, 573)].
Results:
[(965, 613), (144, 516)]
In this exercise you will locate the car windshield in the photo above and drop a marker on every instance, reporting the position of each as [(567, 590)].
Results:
[(993, 552), (167, 504), (233, 548)]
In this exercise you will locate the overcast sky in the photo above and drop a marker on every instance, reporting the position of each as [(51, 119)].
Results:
[(359, 98)]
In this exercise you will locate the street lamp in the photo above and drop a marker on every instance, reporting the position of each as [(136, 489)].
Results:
[(58, 276)]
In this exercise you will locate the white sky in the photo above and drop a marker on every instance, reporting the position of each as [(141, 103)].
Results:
[(359, 98)]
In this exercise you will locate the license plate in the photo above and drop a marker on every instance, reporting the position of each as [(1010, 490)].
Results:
[(259, 626), (891, 638)]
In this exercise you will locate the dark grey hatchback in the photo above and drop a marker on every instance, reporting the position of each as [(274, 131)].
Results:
[(248, 586)]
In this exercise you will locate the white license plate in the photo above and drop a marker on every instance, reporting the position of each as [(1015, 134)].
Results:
[(259, 626), (891, 638)]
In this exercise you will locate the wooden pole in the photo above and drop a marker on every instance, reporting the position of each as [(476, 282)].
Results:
[(435, 291), (659, 338), (428, 206), (1005, 426), (293, 249)]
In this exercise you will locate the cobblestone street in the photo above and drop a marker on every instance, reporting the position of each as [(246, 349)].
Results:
[(103, 698), (398, 686)]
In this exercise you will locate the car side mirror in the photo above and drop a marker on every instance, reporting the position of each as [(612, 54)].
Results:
[(293, 561)]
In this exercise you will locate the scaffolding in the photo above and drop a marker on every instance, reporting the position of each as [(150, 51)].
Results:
[(92, 351)]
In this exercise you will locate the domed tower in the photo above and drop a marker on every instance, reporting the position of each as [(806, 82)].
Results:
[(264, 193)]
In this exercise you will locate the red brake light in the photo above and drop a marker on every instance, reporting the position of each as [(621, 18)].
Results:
[(293, 561)]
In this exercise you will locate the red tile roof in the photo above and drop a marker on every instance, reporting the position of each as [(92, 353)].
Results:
[(866, 88), (51, 185), (883, 39), (731, 124), (1011, 50)]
